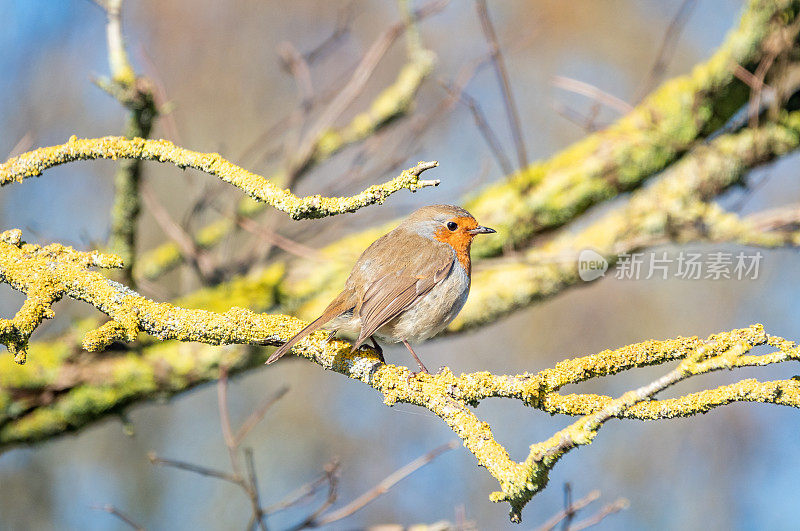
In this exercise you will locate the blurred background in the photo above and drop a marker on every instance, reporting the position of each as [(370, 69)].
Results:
[(218, 64)]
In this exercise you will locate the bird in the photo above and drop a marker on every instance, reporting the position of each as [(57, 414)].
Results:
[(407, 286)]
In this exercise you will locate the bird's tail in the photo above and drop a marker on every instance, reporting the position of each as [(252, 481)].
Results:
[(335, 309)]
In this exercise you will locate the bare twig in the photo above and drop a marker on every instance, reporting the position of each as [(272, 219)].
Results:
[(248, 484), (110, 509), (305, 491), (483, 126), (384, 486), (296, 64), (222, 404), (571, 508), (614, 507), (257, 415), (255, 497), (282, 242), (163, 103), (353, 88), (502, 76), (587, 122), (191, 467), (667, 48), (197, 257), (591, 91), (332, 477), (23, 144), (344, 20)]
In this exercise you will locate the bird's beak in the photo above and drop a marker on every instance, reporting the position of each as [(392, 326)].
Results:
[(481, 230)]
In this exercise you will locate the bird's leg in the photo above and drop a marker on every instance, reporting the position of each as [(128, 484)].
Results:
[(331, 335), (378, 349), (419, 362)]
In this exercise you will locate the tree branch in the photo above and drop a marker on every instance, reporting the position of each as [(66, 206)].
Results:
[(33, 163), (448, 397), (136, 95)]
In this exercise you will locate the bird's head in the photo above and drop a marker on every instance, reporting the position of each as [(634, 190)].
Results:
[(446, 223)]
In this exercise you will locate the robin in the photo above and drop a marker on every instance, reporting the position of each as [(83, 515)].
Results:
[(407, 286)]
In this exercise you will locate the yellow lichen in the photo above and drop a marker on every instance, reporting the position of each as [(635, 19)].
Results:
[(35, 162)]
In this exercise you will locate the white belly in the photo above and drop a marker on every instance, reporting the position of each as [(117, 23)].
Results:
[(432, 313)]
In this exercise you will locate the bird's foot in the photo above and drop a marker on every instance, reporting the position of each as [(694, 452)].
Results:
[(378, 349)]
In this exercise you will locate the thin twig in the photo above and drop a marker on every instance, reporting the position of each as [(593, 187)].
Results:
[(222, 405), (667, 48), (502, 76), (311, 520), (573, 507), (344, 20), (591, 91), (110, 509), (296, 64), (197, 257), (257, 415), (615, 507), (483, 126), (282, 242), (197, 469), (250, 483), (304, 491), (23, 144), (163, 103), (587, 122), (384, 486), (569, 510), (255, 497), (353, 88)]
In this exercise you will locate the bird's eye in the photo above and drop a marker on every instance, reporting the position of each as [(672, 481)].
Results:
[(452, 225)]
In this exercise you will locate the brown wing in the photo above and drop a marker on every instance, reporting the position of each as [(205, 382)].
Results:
[(399, 282)]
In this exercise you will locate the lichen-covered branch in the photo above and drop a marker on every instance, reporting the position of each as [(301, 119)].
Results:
[(33, 163), (136, 95), (498, 288), (37, 285), (63, 388), (45, 274)]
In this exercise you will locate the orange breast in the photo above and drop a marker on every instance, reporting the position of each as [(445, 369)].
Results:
[(460, 240)]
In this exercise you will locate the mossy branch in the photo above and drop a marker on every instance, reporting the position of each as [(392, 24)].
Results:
[(59, 390), (33, 163), (59, 271), (498, 288), (702, 174), (136, 94)]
